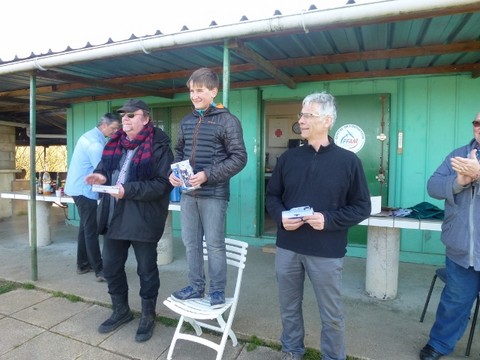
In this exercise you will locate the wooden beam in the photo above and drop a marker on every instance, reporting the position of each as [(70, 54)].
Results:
[(323, 77), (260, 62), (55, 75), (427, 50), (469, 68), (16, 100)]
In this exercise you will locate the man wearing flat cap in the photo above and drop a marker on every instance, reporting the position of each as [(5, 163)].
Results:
[(136, 161)]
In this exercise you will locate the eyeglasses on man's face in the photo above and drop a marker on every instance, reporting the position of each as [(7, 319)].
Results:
[(307, 115), (130, 115), (476, 123)]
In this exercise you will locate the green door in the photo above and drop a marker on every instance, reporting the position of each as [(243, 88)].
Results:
[(362, 126)]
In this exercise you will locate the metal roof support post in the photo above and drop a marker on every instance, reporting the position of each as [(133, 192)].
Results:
[(226, 72), (33, 188)]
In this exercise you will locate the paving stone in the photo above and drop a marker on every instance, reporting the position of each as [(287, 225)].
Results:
[(50, 312), (15, 333), (20, 299)]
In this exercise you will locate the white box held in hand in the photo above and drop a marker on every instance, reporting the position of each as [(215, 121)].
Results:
[(376, 204), (105, 189), (297, 212)]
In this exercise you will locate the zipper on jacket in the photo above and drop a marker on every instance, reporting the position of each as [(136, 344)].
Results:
[(475, 190), (194, 145)]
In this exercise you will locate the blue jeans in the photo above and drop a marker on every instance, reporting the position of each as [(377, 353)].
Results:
[(325, 275), (205, 217), (88, 247), (115, 254), (455, 305)]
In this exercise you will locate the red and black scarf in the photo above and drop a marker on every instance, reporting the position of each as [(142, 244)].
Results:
[(142, 161)]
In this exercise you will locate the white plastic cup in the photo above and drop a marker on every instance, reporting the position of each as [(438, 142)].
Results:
[(58, 193)]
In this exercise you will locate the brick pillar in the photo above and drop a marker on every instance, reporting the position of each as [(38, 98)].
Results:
[(7, 167)]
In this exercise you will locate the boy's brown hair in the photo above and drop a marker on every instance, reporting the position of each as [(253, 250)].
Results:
[(205, 77)]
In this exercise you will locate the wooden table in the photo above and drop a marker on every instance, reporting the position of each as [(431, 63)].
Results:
[(43, 205)]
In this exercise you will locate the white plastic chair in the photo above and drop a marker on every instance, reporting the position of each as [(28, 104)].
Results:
[(197, 311)]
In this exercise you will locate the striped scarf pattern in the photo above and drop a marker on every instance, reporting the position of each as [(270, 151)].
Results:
[(142, 161)]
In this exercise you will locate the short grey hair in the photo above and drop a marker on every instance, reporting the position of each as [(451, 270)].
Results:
[(108, 119), (328, 105)]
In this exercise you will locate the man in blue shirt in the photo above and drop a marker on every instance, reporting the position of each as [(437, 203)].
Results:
[(86, 156)]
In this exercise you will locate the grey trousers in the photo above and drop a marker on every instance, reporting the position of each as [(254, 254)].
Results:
[(325, 275)]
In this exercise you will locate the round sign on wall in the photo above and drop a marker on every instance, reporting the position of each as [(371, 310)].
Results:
[(350, 137)]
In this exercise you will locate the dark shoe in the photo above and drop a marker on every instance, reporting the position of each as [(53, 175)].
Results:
[(100, 277), (84, 269), (429, 353), (121, 315), (217, 299), (147, 320), (187, 293)]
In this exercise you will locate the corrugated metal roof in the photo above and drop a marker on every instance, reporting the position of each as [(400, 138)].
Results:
[(443, 40)]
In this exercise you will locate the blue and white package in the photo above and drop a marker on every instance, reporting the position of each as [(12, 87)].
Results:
[(297, 212)]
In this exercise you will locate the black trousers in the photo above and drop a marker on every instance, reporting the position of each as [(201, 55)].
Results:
[(88, 247), (115, 254)]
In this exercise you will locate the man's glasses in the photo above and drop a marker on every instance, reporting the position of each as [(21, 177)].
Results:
[(307, 115), (476, 123), (130, 115)]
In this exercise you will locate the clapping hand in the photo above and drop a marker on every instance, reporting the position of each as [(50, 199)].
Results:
[(467, 169)]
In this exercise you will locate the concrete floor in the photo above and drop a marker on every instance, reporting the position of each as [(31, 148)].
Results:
[(375, 329)]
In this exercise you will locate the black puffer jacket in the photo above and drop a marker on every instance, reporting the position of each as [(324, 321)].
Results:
[(213, 143), (141, 214)]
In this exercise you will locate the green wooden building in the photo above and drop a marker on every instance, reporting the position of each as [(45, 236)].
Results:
[(430, 115)]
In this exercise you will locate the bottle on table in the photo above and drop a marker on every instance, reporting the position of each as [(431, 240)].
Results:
[(47, 183), (39, 184), (57, 182)]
